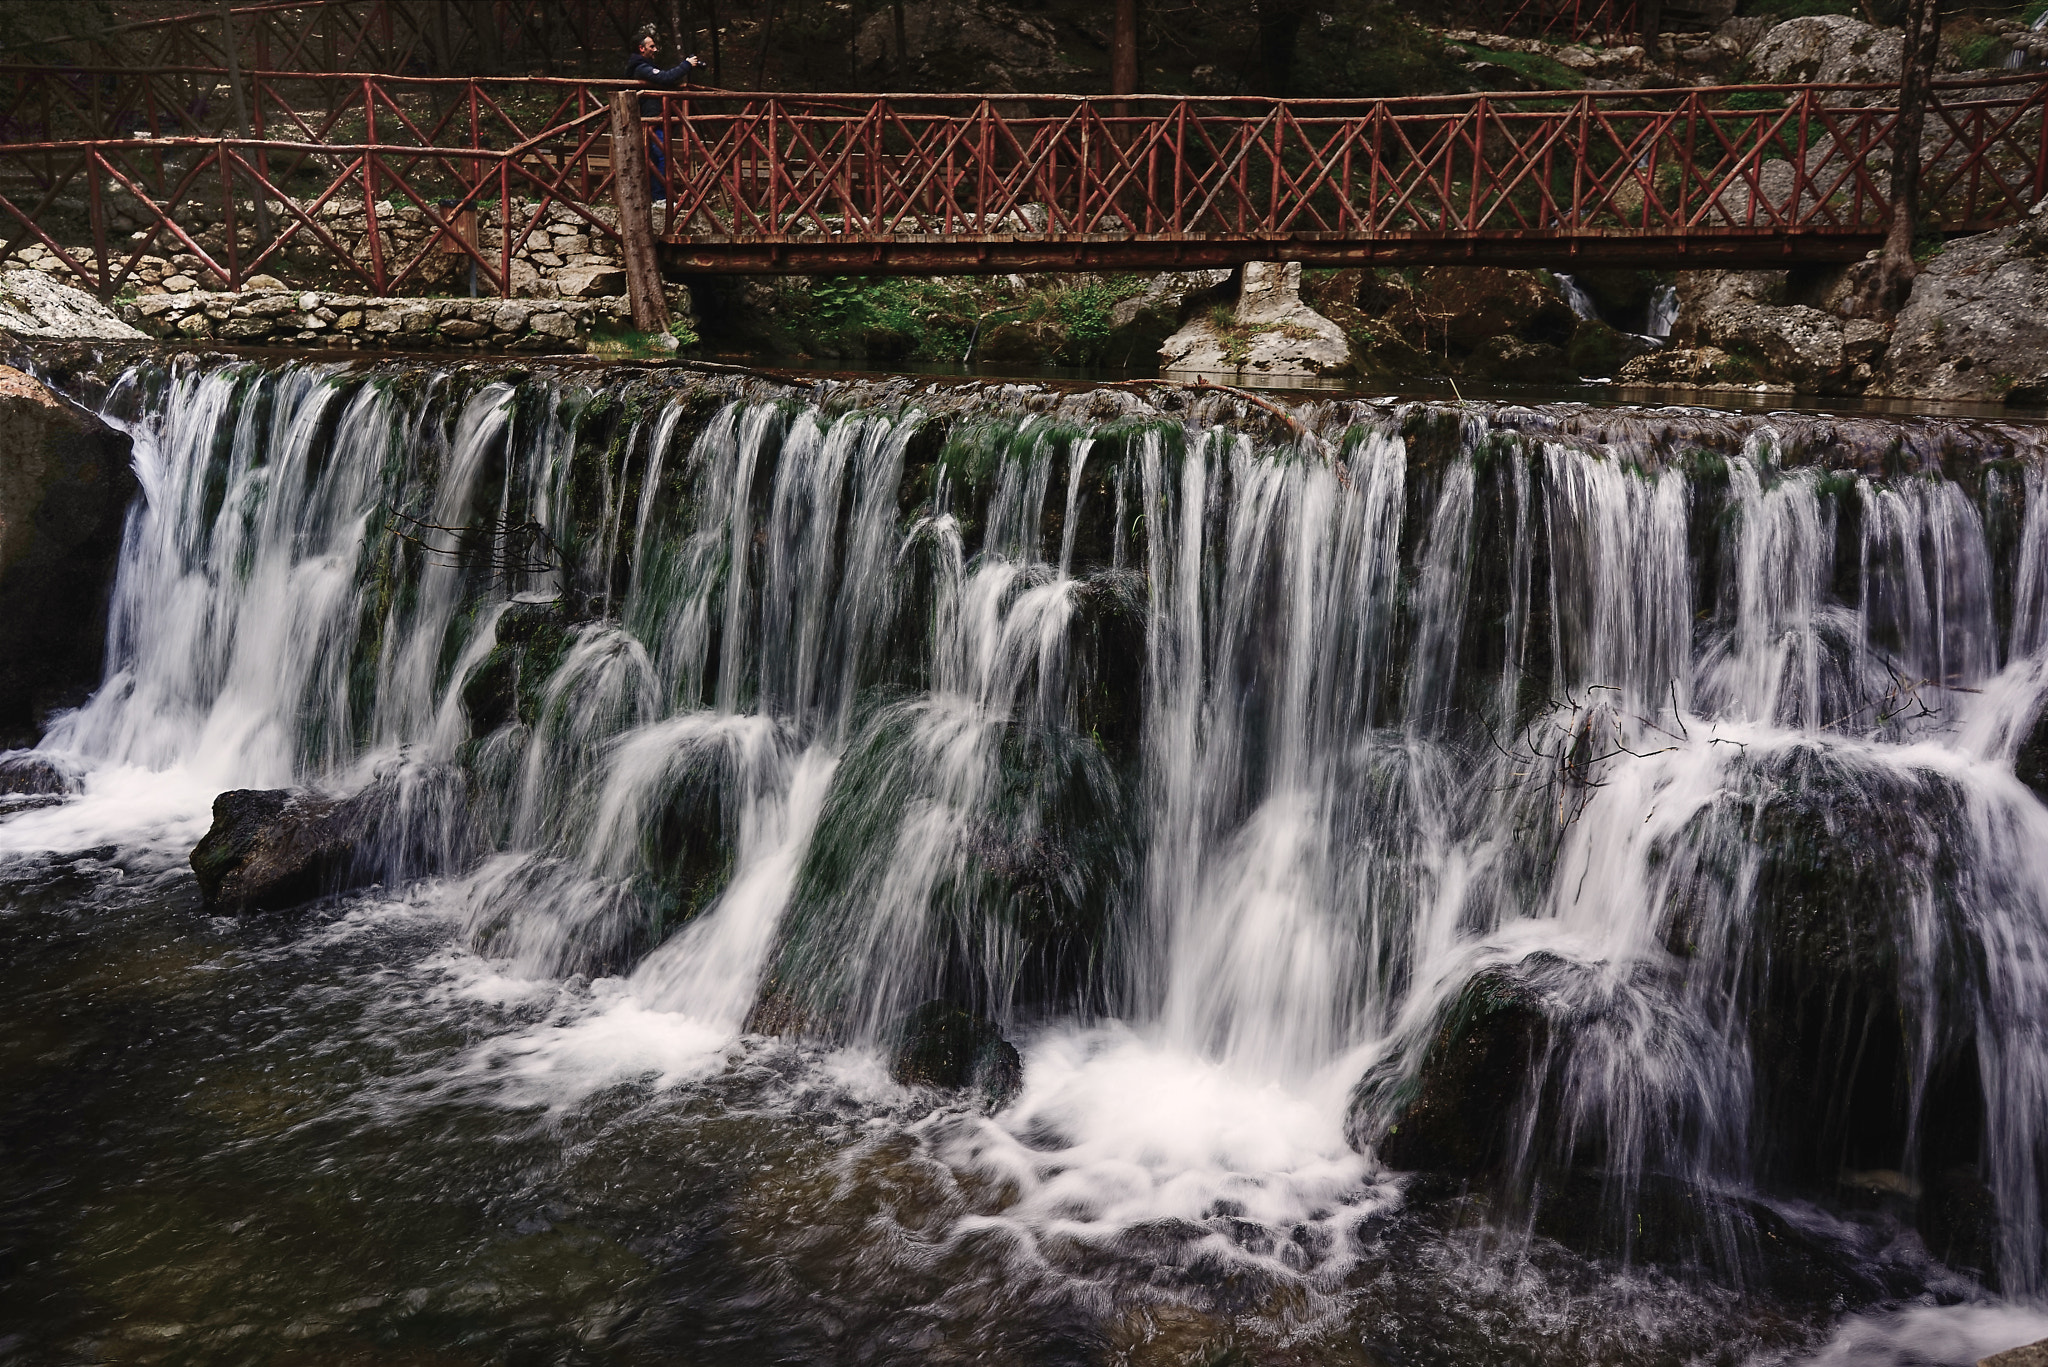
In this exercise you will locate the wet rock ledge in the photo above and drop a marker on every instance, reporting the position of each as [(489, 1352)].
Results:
[(65, 483), (270, 849)]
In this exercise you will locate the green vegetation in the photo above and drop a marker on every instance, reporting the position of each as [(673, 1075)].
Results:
[(1755, 99), (1979, 50), (1543, 71), (1372, 50), (893, 316), (1058, 320), (629, 344)]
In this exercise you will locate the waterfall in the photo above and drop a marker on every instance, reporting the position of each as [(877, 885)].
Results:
[(1216, 765), (1663, 312), (1576, 296)]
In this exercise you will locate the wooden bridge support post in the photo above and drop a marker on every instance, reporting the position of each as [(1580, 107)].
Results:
[(636, 215)]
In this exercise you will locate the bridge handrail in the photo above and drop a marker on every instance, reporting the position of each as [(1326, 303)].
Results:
[(740, 169), (54, 69), (1965, 81), (1987, 80), (770, 169)]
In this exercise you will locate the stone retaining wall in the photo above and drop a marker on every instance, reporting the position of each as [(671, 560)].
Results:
[(354, 323)]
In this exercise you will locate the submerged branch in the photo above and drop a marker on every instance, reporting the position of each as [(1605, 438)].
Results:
[(502, 549)]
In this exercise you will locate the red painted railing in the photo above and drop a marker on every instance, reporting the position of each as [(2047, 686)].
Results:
[(55, 104), (845, 184), (512, 148), (912, 183)]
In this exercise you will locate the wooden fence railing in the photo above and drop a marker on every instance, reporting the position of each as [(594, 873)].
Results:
[(446, 148), (854, 183), (842, 183)]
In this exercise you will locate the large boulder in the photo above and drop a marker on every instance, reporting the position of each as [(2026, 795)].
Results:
[(274, 848), (1141, 324), (1270, 332), (65, 484), (1975, 325), (964, 45), (590, 282), (1792, 345), (1701, 293), (1739, 327), (25, 773), (1599, 350), (1827, 49), (29, 780), (1473, 305), (34, 305), (1706, 367)]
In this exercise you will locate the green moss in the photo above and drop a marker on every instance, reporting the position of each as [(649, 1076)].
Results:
[(1836, 484), (1372, 50), (1982, 50), (1544, 71)]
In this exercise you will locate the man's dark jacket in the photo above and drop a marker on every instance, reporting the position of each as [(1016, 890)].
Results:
[(643, 70)]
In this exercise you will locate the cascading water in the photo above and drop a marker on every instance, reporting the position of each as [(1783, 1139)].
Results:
[(1243, 781), (1575, 295), (1663, 312)]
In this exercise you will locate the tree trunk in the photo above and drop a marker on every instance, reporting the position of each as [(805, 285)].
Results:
[(1123, 51), (1279, 27), (1653, 24), (902, 38), (767, 40), (636, 215), (675, 30), (1889, 285)]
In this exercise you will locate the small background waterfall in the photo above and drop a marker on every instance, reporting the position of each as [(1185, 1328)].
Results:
[(1224, 767)]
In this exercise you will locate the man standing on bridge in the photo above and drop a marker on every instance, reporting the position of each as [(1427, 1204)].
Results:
[(641, 66)]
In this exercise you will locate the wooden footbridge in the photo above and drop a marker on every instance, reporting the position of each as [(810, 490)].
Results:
[(106, 166), (1755, 176)]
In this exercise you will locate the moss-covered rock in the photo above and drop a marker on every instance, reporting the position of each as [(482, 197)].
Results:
[(1456, 1112), (1598, 349), (269, 849), (943, 1046), (510, 682), (1510, 360)]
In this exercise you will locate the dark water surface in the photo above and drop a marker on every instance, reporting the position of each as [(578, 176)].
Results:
[(337, 1136)]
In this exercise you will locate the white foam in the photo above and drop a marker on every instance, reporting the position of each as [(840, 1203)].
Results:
[(610, 1037), (1113, 1129), (1931, 1336), (125, 805)]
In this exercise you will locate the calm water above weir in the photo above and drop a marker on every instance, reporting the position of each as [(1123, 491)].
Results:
[(1626, 819)]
